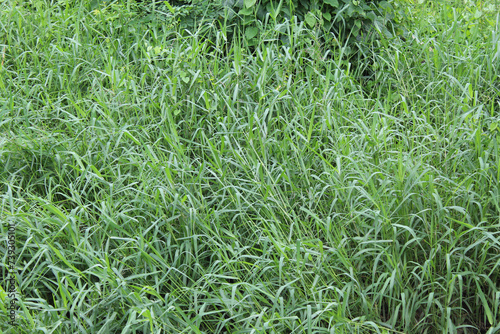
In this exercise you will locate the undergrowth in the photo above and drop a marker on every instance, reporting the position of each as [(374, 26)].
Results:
[(161, 183)]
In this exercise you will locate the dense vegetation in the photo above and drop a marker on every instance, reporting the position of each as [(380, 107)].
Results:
[(350, 23), (163, 182)]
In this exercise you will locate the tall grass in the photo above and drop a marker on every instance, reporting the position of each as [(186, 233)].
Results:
[(168, 183)]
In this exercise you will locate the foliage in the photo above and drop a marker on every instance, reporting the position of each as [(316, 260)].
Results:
[(345, 19), (338, 22), (159, 181), (187, 15)]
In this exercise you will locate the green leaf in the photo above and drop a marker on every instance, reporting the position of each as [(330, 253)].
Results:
[(184, 76), (350, 9), (170, 8), (371, 16), (385, 5), (310, 19), (251, 32), (333, 3), (486, 307), (246, 11), (327, 16), (250, 3)]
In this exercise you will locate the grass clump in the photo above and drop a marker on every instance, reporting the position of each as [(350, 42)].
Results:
[(160, 182)]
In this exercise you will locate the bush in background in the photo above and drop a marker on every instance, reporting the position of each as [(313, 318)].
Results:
[(350, 23)]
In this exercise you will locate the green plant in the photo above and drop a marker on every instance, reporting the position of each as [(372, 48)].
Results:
[(188, 15), (342, 22), (339, 23), (159, 181)]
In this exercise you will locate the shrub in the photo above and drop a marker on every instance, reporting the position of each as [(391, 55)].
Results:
[(350, 23), (187, 15), (343, 18)]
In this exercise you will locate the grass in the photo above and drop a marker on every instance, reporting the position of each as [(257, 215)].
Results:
[(166, 183)]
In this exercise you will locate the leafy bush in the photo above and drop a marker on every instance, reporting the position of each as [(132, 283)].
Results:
[(337, 22), (188, 15), (343, 18)]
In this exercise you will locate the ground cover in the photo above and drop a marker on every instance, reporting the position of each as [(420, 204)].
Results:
[(166, 183)]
